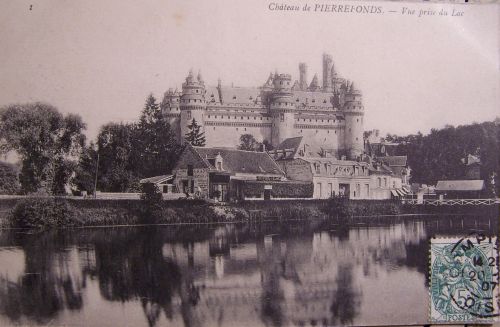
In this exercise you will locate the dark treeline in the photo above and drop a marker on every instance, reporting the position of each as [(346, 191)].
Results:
[(128, 152), (438, 155), (54, 155)]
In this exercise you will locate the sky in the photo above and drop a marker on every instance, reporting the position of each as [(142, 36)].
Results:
[(101, 58)]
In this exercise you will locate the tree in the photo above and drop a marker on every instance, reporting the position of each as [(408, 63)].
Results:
[(118, 163), (195, 136), (248, 143), (84, 179), (156, 145), (9, 184), (267, 145), (45, 140)]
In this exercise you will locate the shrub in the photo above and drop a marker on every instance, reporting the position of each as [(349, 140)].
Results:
[(151, 199), (42, 212)]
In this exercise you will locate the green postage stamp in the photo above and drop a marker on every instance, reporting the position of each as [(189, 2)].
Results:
[(464, 279)]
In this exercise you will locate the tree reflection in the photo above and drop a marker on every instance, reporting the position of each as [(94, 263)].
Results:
[(48, 284), (130, 265), (346, 299)]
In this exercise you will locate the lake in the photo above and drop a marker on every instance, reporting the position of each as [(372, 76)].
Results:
[(274, 274)]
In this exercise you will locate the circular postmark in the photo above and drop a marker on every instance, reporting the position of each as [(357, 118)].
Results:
[(464, 279)]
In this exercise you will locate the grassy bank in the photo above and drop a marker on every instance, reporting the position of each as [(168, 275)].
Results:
[(63, 212)]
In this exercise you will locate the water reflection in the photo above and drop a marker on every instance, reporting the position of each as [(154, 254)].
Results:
[(269, 275)]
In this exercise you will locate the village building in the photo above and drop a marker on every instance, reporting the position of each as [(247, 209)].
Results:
[(330, 114), (360, 179), (224, 174), (460, 189)]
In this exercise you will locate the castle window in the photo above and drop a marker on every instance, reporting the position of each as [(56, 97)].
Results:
[(245, 129), (334, 120), (214, 128), (260, 118), (234, 97), (215, 116), (301, 131), (236, 128), (297, 100), (335, 132), (208, 116), (190, 170), (282, 117), (313, 100), (254, 118), (248, 118), (324, 101), (357, 120), (212, 95), (189, 114), (356, 138)]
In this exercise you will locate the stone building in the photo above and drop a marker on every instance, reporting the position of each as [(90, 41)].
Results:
[(360, 179), (329, 115), (228, 174)]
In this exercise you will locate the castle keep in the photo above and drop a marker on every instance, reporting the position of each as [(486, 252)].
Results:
[(328, 116)]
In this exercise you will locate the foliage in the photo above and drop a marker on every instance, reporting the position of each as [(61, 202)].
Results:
[(42, 212), (9, 184), (45, 140), (437, 156), (195, 136), (118, 162), (84, 178), (279, 190), (248, 143), (151, 200), (155, 147), (267, 145)]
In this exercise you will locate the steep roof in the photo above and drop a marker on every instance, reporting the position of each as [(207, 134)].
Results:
[(156, 179), (394, 160), (460, 185), (239, 161)]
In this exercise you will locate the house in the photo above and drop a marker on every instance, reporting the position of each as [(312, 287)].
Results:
[(163, 182), (460, 189), (331, 174), (399, 166), (228, 174)]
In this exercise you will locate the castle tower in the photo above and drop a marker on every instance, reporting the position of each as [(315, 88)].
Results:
[(353, 113), (170, 109), (282, 109), (327, 73), (303, 76), (192, 103)]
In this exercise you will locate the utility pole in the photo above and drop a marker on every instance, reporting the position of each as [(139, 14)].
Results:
[(95, 181)]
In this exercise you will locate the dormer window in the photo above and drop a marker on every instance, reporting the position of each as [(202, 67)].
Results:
[(218, 162)]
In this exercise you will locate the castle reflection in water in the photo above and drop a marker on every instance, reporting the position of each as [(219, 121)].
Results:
[(266, 275)]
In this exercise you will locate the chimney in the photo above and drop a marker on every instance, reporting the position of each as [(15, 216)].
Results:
[(327, 72), (303, 76)]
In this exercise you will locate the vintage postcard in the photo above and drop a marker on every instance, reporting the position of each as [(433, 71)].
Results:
[(249, 163)]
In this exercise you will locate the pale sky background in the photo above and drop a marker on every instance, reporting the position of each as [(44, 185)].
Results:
[(101, 58)]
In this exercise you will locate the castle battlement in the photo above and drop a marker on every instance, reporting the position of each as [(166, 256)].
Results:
[(328, 115)]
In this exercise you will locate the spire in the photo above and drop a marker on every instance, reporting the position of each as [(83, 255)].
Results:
[(296, 86), (190, 77), (200, 78), (314, 86)]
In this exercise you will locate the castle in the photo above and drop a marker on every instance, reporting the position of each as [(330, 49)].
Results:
[(329, 117)]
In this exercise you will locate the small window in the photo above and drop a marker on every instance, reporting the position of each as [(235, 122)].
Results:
[(234, 97), (190, 170)]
